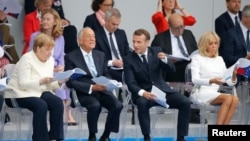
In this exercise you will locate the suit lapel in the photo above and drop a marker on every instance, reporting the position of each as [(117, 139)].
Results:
[(82, 62), (97, 59), (241, 36), (187, 41), (105, 39), (118, 40), (168, 43), (229, 20), (139, 63)]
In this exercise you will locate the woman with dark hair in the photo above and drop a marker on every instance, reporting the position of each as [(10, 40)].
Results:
[(96, 19), (165, 9)]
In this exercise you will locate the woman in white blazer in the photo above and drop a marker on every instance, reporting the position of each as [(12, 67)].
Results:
[(32, 83), (207, 70)]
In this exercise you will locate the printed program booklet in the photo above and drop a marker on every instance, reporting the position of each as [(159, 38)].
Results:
[(109, 83), (71, 74), (160, 96)]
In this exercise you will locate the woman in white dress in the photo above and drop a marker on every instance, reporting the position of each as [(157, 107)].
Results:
[(208, 69)]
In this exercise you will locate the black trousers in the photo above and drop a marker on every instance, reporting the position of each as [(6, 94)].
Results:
[(39, 107), (94, 104), (174, 100)]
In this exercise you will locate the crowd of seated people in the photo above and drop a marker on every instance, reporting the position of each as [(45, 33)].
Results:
[(101, 48)]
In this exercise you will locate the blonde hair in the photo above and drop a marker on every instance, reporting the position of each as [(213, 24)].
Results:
[(43, 40), (57, 29), (204, 42)]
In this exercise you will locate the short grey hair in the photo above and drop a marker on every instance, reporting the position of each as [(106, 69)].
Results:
[(246, 11), (112, 12)]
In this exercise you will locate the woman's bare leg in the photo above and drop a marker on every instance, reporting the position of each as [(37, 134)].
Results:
[(231, 110), (225, 102)]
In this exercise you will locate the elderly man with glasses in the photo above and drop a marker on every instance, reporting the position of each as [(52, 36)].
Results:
[(180, 43)]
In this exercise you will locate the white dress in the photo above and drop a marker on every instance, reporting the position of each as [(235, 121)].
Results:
[(202, 70)]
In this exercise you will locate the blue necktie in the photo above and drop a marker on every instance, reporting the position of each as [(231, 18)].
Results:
[(91, 65), (248, 41), (181, 47)]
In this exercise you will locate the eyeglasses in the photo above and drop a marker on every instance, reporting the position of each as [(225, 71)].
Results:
[(178, 28), (107, 5)]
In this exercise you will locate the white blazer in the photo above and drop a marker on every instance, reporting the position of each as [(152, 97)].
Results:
[(26, 76)]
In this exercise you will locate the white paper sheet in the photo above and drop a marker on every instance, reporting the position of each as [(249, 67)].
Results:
[(109, 83), (160, 96), (72, 74)]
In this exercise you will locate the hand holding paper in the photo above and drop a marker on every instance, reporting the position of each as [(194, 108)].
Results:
[(109, 83), (69, 74), (160, 96)]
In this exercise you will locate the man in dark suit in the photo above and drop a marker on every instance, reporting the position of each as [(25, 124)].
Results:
[(113, 42), (104, 43), (141, 75), (168, 41), (236, 45), (91, 95), (227, 20), (69, 32)]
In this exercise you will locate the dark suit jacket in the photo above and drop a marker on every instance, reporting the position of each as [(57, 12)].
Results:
[(234, 47), (222, 24), (137, 77), (102, 44), (163, 40), (92, 22), (75, 59)]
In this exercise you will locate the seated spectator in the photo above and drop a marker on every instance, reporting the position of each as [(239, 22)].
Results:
[(32, 21), (167, 8), (51, 25), (7, 39), (177, 41), (142, 69), (32, 83), (207, 69), (69, 31), (112, 40), (96, 20), (91, 95)]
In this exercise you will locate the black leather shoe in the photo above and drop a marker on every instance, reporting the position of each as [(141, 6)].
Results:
[(92, 139), (72, 123), (181, 140), (7, 118), (147, 139), (104, 139)]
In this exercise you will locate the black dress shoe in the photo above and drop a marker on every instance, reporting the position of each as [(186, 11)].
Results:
[(104, 139), (181, 140), (72, 123), (148, 139), (92, 139), (7, 118)]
